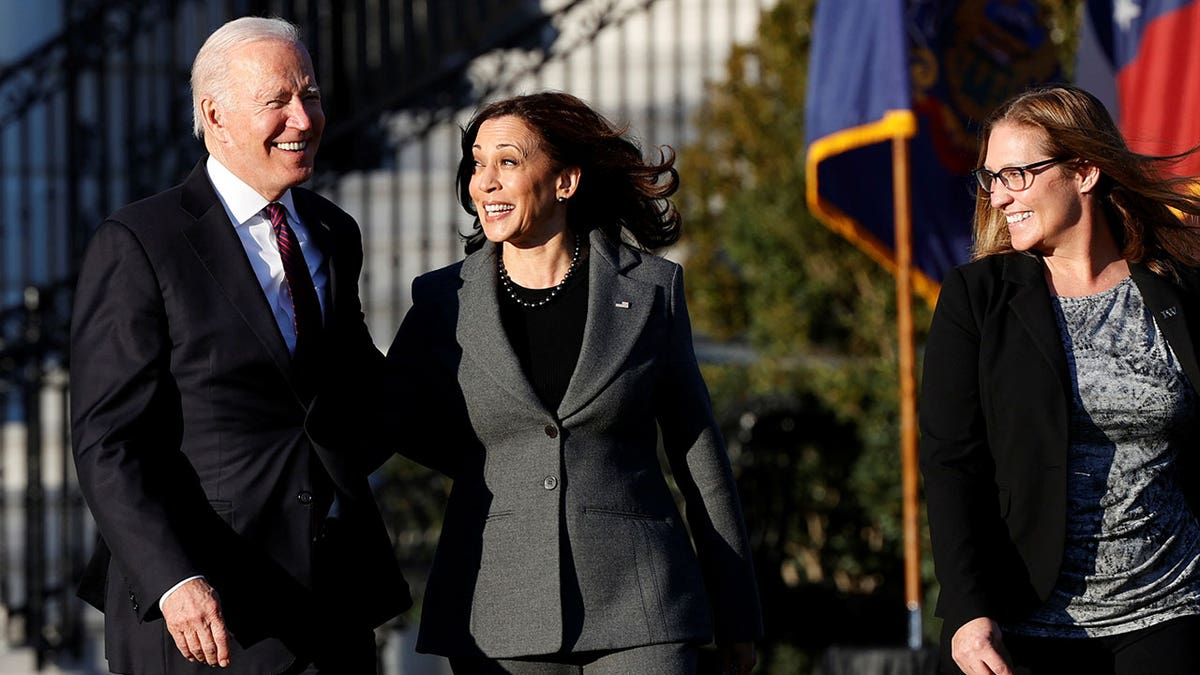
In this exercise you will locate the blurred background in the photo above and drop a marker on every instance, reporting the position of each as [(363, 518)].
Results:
[(783, 112)]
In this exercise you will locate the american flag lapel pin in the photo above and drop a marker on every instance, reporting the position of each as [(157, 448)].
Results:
[(624, 304)]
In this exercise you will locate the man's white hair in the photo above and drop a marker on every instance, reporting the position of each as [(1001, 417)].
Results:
[(210, 70)]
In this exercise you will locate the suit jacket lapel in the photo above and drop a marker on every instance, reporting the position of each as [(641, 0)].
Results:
[(1034, 308), (480, 331), (618, 308), (216, 244), (325, 240), (1168, 307)]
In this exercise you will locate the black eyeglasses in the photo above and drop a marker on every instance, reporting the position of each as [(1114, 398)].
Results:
[(1015, 178)]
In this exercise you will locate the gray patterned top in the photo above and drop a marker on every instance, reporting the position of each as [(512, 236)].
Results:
[(1132, 545)]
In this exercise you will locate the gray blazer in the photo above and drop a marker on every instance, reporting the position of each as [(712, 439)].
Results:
[(560, 533)]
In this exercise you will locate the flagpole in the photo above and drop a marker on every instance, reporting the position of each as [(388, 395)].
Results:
[(908, 389)]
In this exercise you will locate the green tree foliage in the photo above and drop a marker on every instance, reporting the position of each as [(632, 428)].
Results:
[(819, 314)]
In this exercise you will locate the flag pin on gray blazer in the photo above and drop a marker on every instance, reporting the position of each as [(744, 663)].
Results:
[(624, 304)]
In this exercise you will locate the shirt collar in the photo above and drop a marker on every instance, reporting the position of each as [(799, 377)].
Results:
[(240, 200)]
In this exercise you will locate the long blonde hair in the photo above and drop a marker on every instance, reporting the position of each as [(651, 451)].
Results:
[(1155, 217)]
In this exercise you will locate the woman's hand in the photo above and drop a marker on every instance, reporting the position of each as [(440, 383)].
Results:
[(978, 649), (738, 658)]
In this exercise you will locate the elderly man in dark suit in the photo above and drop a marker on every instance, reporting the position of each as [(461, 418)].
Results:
[(209, 321)]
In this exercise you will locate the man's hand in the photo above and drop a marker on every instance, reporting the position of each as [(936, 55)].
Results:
[(738, 658), (978, 649), (193, 615)]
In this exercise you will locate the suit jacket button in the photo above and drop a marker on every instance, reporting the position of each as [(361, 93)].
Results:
[(550, 482), (133, 601), (305, 497), (551, 431)]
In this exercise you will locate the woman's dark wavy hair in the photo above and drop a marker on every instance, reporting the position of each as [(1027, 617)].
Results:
[(1136, 191), (618, 188)]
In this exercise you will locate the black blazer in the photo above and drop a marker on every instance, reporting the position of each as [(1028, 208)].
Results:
[(192, 445), (994, 411)]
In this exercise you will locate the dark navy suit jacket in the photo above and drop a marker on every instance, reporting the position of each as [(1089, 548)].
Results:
[(193, 444)]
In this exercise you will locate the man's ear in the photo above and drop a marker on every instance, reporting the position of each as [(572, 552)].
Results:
[(568, 182), (212, 118)]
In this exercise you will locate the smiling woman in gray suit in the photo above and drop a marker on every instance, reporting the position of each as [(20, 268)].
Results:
[(536, 373)]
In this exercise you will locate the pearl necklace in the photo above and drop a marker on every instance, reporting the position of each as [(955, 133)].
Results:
[(509, 287)]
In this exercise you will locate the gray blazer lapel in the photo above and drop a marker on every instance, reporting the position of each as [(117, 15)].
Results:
[(216, 244), (480, 331), (618, 308), (1033, 308), (1167, 306)]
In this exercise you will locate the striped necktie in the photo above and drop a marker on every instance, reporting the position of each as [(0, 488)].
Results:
[(306, 309)]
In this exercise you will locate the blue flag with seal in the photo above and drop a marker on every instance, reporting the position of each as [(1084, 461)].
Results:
[(927, 71)]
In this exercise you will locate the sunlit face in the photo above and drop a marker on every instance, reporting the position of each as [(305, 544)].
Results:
[(1045, 216), (515, 185), (267, 127)]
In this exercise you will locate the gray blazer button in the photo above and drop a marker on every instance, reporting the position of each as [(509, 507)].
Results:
[(551, 431), (304, 497), (550, 482)]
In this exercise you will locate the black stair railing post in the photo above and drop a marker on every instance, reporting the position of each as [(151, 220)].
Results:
[(35, 498)]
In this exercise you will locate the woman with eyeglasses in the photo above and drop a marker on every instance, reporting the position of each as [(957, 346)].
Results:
[(1059, 405)]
